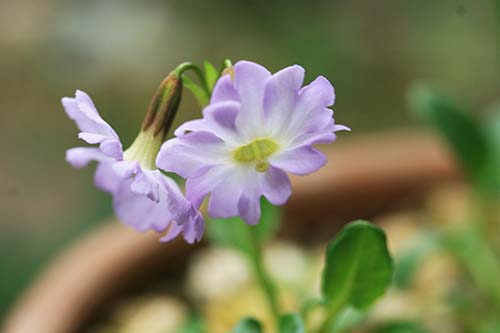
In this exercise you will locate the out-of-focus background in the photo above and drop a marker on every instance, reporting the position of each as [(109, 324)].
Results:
[(119, 50)]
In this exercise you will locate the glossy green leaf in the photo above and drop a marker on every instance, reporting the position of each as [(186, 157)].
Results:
[(358, 266), (248, 325), (291, 323), (211, 75), (198, 92), (466, 137), (235, 232)]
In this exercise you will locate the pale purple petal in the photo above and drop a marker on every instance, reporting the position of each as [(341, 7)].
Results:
[(91, 138), (172, 213), (299, 161), (80, 157), (140, 212), (276, 186), (224, 90), (82, 110), (250, 81), (94, 129), (106, 178), (341, 128), (198, 187), (145, 183), (173, 230), (186, 218), (309, 139), (249, 207), (192, 154), (219, 119), (228, 185), (280, 97), (320, 92), (311, 112), (112, 148), (126, 169), (193, 229)]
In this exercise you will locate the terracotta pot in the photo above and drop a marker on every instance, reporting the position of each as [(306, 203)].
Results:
[(365, 176)]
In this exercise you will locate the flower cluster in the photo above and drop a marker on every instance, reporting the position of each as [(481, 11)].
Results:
[(257, 128)]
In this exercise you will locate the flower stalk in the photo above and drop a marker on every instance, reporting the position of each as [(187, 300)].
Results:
[(263, 277)]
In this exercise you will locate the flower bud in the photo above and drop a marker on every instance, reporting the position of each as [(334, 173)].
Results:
[(159, 117), (163, 106)]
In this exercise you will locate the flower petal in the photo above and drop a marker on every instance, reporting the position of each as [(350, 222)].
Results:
[(193, 230), (280, 97), (249, 207), (299, 161), (173, 230), (80, 157), (94, 129), (145, 183), (229, 184), (250, 80), (112, 148), (191, 155), (311, 112), (219, 119), (105, 177), (126, 169), (199, 187), (138, 211), (320, 92), (276, 186), (82, 110), (224, 90)]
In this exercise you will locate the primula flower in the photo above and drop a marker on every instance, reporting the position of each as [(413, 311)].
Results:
[(143, 197), (257, 127)]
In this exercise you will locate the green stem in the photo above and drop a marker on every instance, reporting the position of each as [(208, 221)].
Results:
[(263, 277), (331, 316), (185, 66)]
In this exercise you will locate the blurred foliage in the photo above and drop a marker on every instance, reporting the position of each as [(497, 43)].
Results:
[(118, 52)]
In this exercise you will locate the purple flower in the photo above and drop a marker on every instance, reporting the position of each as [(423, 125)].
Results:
[(258, 127), (143, 197)]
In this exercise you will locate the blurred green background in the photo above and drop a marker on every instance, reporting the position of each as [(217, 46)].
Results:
[(118, 51)]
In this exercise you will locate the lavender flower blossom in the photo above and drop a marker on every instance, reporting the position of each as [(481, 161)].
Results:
[(257, 128), (143, 197)]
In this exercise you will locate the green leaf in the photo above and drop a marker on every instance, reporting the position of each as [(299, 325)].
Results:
[(358, 267), (198, 92), (234, 232), (466, 137), (248, 325), (291, 323), (211, 75)]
